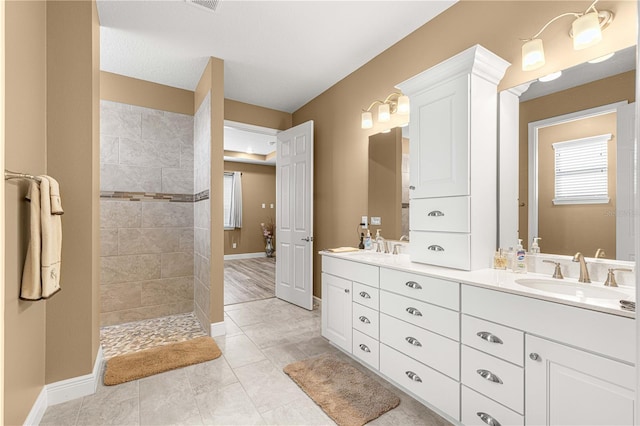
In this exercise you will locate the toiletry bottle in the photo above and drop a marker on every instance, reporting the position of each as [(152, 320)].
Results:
[(520, 262), (535, 247), (510, 255), (361, 245), (499, 260), (367, 241)]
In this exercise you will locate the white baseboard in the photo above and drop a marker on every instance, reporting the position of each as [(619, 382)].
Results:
[(76, 387), (244, 255), (218, 329), (38, 409)]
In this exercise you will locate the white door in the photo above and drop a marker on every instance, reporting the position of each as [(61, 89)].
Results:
[(294, 215), (567, 386), (625, 235)]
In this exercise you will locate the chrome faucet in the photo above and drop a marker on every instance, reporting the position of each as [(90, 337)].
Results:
[(600, 253), (404, 238), (584, 272)]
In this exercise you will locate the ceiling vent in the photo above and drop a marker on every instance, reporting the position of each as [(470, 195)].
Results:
[(210, 5)]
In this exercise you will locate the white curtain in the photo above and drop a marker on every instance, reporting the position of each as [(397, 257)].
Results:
[(236, 201)]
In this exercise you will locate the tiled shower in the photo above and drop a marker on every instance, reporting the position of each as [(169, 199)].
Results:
[(147, 201)]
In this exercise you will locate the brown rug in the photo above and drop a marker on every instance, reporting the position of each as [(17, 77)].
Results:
[(349, 396), (128, 367)]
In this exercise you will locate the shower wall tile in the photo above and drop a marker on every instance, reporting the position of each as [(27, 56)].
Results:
[(201, 212), (203, 318), (119, 269), (177, 181), (120, 214), (116, 297), (116, 177), (156, 215), (201, 269), (148, 240), (113, 106), (176, 264), (186, 240), (168, 127), (149, 152), (145, 111), (158, 292), (202, 298), (122, 123), (145, 312), (109, 148), (202, 244), (186, 156), (202, 177), (108, 242)]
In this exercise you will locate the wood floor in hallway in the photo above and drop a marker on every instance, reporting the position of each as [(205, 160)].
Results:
[(246, 280)]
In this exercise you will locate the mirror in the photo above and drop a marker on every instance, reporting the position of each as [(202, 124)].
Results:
[(388, 188), (580, 104)]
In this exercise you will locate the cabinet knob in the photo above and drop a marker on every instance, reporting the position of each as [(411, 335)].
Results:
[(364, 319), (488, 375), (413, 341), (485, 335), (364, 348), (412, 187), (488, 419), (534, 356), (414, 312), (413, 284), (413, 376), (346, 290), (365, 295)]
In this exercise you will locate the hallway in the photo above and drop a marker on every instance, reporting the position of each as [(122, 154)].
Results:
[(247, 280)]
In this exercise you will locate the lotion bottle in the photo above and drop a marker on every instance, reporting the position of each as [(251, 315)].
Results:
[(367, 241), (520, 261)]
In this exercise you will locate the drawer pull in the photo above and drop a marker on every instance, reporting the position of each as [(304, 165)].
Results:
[(435, 213), (534, 356), (488, 375), (364, 348), (413, 376), (365, 295), (435, 247), (414, 312), (485, 335), (488, 419), (413, 284), (413, 341), (364, 319)]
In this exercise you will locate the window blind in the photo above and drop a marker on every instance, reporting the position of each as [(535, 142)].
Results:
[(581, 171)]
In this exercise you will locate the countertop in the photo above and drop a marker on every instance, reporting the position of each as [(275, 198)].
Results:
[(494, 279)]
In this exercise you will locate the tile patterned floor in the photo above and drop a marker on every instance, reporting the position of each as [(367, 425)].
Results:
[(246, 386), (136, 336)]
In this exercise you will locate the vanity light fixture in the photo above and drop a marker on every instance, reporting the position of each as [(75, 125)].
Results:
[(586, 31), (394, 103)]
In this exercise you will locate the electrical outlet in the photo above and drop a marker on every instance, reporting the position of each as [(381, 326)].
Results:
[(375, 220), (271, 205), (264, 205), (364, 223), (234, 245)]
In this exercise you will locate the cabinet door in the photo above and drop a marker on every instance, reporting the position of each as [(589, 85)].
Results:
[(440, 140), (336, 311), (567, 386)]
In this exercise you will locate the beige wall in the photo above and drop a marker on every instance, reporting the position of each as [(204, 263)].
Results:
[(258, 116), (340, 144), (25, 151), (566, 229), (385, 183), (258, 187), (617, 88)]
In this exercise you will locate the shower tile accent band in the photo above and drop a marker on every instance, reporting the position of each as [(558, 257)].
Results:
[(154, 196)]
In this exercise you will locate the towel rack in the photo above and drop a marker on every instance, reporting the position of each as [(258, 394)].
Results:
[(13, 175)]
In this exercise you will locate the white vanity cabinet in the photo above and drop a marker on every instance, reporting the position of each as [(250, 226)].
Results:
[(336, 310), (454, 125)]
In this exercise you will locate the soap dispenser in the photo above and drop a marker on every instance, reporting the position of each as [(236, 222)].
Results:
[(520, 261), (535, 247), (367, 241)]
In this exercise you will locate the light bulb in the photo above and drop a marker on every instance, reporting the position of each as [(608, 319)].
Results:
[(367, 120), (532, 55), (384, 113)]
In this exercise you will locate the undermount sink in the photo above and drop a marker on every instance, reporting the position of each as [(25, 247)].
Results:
[(572, 289)]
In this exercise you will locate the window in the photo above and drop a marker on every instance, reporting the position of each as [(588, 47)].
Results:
[(232, 200), (581, 171)]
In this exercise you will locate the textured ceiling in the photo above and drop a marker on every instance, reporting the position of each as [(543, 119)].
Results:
[(277, 54)]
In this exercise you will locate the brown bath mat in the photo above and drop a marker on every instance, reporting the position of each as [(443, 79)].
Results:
[(349, 396), (128, 367)]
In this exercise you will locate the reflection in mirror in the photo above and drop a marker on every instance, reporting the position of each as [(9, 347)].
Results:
[(574, 109), (388, 191)]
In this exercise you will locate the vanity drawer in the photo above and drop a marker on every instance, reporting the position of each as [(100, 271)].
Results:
[(366, 320), (505, 381), (365, 295), (441, 248), (449, 214), (429, 348), (475, 405), (422, 381), (353, 271), (366, 348), (434, 318), (494, 339), (428, 289)]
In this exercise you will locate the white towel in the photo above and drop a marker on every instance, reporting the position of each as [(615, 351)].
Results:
[(41, 275)]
